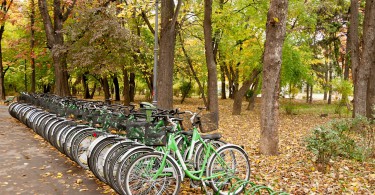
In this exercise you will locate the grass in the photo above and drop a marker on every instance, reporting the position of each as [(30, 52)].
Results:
[(317, 107)]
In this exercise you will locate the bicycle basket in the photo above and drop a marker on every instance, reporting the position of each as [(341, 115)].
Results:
[(208, 122), (136, 129), (155, 136)]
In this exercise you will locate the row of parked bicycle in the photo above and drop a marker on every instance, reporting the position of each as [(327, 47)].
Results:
[(143, 151)]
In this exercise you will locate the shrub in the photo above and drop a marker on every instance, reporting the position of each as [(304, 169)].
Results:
[(185, 89), (290, 109), (347, 138)]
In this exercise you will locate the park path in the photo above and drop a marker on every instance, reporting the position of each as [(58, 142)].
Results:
[(30, 165)]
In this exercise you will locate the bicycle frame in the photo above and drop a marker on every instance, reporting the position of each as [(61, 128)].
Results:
[(172, 146)]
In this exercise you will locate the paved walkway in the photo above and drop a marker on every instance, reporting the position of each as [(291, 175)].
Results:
[(30, 165)]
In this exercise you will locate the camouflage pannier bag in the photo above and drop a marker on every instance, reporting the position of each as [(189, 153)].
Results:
[(156, 135), (136, 129)]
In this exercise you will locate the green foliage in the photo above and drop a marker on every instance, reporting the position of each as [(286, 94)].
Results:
[(185, 88), (295, 64), (97, 41), (344, 87), (347, 138), (290, 109)]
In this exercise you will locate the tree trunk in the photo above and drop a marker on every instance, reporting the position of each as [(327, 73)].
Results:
[(311, 93), (4, 11), (223, 91), (353, 43), (46, 88), (325, 85), (132, 86), (93, 91), (169, 16), (126, 92), (330, 77), (275, 33), (2, 72), (254, 88), (55, 41), (213, 102), (307, 92), (368, 59), (117, 87), (371, 94), (105, 86), (32, 44), (238, 96), (369, 56), (86, 91)]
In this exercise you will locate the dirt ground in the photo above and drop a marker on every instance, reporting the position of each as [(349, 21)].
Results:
[(30, 165)]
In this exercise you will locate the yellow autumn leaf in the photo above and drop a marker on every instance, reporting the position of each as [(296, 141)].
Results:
[(59, 175)]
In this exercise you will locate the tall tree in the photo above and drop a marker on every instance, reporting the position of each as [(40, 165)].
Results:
[(167, 42), (371, 93), (363, 70), (213, 102), (4, 8), (275, 33), (368, 56), (32, 44), (353, 42), (55, 40)]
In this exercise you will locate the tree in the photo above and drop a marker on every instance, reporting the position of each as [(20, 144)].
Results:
[(32, 44), (102, 52), (4, 8), (213, 102), (275, 33), (169, 15), (368, 56), (55, 40), (353, 41), (367, 60)]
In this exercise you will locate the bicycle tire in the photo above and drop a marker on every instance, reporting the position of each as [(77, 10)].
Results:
[(229, 162), (172, 176)]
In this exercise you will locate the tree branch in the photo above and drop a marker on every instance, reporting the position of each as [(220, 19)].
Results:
[(47, 22), (145, 18), (68, 11), (175, 15), (5, 71)]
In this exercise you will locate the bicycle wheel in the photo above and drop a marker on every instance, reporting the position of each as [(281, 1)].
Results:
[(112, 152), (61, 135), (56, 130), (139, 178), (34, 117), (96, 159), (81, 144), (227, 167), (201, 152), (121, 166), (67, 139)]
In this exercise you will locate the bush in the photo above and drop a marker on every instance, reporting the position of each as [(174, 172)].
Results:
[(290, 109), (348, 138), (185, 89)]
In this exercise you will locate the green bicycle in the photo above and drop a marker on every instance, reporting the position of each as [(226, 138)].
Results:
[(160, 173)]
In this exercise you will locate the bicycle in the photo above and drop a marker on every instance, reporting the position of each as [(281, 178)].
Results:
[(159, 173)]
